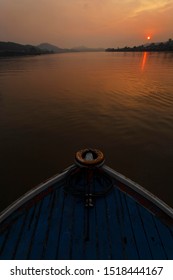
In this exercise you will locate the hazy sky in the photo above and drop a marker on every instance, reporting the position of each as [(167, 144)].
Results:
[(92, 23)]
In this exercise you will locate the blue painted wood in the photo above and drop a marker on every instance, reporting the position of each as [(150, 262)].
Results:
[(153, 238), (129, 247), (114, 225), (47, 229), (103, 236), (13, 237), (78, 230), (40, 230), (25, 245), (55, 224), (3, 240), (138, 230), (66, 228), (166, 236), (91, 244), (25, 236)]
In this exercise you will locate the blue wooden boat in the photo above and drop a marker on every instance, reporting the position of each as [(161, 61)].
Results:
[(89, 211)]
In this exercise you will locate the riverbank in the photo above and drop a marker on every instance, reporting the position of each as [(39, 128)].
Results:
[(153, 47)]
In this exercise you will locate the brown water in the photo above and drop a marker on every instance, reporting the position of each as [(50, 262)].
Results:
[(53, 105)]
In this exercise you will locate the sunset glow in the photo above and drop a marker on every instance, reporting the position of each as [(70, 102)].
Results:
[(92, 23)]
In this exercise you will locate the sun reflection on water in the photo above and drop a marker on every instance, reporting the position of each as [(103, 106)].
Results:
[(144, 59)]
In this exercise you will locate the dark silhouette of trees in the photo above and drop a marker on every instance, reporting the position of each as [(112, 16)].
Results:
[(153, 47)]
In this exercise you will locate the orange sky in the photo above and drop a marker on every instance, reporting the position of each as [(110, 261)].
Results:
[(92, 23)]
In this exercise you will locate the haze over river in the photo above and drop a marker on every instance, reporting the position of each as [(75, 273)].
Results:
[(53, 105)]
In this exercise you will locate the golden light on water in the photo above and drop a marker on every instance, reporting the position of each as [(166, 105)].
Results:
[(144, 58)]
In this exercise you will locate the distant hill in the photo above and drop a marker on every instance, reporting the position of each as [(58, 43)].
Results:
[(51, 48), (55, 49), (15, 49), (86, 49)]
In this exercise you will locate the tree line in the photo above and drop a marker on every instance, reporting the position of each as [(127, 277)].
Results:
[(153, 47)]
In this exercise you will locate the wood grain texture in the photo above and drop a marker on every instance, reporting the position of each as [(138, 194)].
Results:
[(57, 225)]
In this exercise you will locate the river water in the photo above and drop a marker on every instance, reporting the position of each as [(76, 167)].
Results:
[(53, 105)]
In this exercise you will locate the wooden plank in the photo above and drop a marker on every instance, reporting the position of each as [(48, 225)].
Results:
[(133, 188), (34, 226), (78, 230), (55, 221), (152, 236), (166, 236), (138, 230), (91, 227), (91, 244), (65, 238), (114, 225), (104, 242), (129, 247), (3, 240), (14, 233), (23, 250), (40, 230), (47, 229)]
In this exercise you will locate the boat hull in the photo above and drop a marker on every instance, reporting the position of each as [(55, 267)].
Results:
[(88, 214)]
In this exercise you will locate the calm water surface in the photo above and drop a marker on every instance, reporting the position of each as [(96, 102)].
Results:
[(53, 105)]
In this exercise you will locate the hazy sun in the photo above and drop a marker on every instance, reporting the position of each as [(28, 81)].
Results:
[(148, 37)]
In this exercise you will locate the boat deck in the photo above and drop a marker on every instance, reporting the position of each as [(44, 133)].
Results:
[(56, 224)]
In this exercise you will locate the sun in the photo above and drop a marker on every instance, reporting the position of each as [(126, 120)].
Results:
[(148, 37)]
